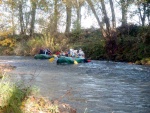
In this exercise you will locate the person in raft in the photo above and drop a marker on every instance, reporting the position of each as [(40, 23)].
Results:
[(48, 52), (81, 53), (58, 53), (41, 51), (45, 51), (71, 53)]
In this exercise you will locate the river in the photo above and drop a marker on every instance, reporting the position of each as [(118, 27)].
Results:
[(95, 87)]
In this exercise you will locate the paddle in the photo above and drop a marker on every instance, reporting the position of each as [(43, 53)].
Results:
[(75, 62), (52, 59)]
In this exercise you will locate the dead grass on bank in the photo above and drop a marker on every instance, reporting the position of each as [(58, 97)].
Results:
[(20, 99)]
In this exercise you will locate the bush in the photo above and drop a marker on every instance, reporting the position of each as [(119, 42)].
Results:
[(128, 30), (93, 48)]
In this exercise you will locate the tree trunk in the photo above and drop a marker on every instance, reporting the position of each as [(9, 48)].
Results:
[(12, 19), (27, 21), (33, 13), (148, 17), (106, 19), (111, 45), (68, 19), (21, 18), (142, 16), (97, 18), (55, 16), (124, 7), (113, 14), (148, 13), (79, 15)]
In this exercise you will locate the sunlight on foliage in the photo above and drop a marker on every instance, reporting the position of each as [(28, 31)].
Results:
[(4, 33), (46, 42), (7, 42)]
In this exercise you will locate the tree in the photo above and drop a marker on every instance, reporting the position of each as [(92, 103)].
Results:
[(105, 19), (148, 13), (68, 4), (21, 16), (113, 14), (144, 10), (78, 5), (55, 16), (33, 13), (124, 9), (12, 5), (97, 18)]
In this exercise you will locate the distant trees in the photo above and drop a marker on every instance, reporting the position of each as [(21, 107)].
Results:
[(144, 11), (27, 15), (78, 5), (100, 23), (48, 19)]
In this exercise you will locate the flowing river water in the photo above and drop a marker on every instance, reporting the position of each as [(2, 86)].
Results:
[(95, 87)]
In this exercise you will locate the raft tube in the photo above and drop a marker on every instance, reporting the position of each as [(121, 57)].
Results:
[(42, 56), (70, 60)]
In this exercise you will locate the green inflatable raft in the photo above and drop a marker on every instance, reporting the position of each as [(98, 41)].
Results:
[(42, 56), (70, 60)]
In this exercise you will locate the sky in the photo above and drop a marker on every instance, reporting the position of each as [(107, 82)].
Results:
[(88, 20)]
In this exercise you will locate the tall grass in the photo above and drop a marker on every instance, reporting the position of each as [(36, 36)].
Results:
[(19, 99), (11, 96)]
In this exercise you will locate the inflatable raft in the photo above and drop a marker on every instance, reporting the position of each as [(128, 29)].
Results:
[(42, 56), (70, 60)]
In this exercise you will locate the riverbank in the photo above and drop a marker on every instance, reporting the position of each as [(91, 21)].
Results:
[(18, 98)]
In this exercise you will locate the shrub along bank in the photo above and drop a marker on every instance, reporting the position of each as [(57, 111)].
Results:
[(132, 44)]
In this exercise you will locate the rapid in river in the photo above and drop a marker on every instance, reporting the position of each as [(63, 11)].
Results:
[(95, 87)]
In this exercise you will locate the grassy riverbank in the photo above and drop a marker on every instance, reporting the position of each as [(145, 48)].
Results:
[(18, 98)]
